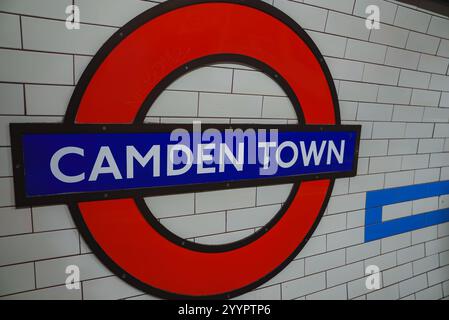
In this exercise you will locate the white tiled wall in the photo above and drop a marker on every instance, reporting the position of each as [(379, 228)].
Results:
[(393, 81)]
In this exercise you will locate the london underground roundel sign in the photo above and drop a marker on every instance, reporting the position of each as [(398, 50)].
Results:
[(65, 163)]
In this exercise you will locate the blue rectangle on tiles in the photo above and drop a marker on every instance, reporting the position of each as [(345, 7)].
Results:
[(375, 200), (65, 163)]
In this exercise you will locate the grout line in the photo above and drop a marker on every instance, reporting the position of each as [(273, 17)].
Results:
[(25, 109)]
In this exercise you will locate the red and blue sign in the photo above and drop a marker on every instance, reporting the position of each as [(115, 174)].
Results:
[(84, 162)]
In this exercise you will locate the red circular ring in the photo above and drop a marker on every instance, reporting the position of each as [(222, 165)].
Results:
[(115, 90)]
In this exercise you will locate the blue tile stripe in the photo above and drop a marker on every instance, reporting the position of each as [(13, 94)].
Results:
[(375, 200)]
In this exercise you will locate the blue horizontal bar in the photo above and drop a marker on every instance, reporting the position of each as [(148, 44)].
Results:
[(407, 193), (78, 154), (405, 224)]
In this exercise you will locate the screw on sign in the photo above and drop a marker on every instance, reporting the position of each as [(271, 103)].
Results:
[(64, 163)]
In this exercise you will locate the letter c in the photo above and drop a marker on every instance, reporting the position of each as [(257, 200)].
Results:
[(54, 165)]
